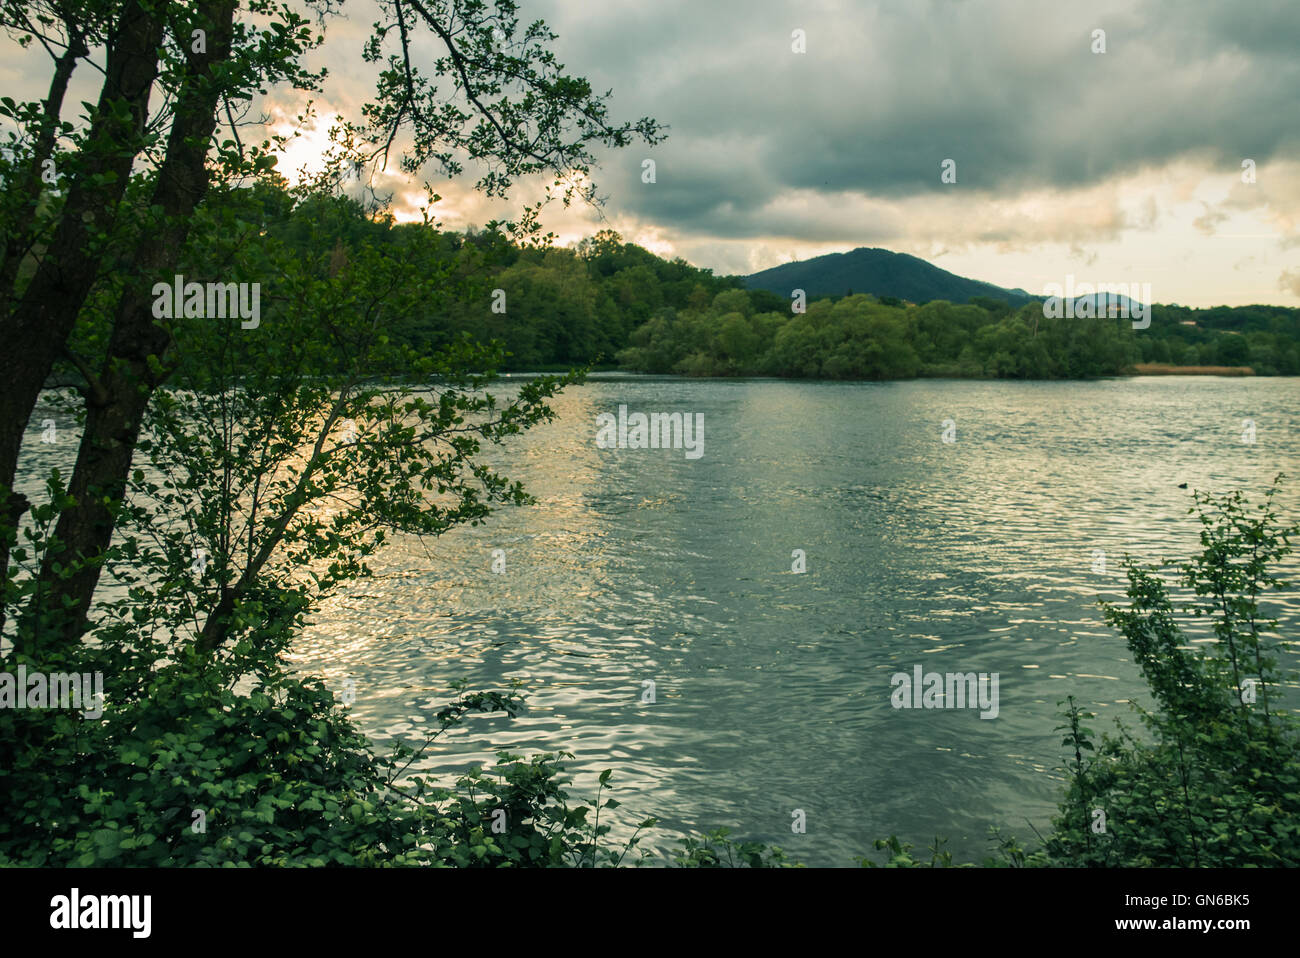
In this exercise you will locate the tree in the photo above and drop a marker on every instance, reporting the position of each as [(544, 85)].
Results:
[(1232, 350), (507, 105), (199, 57), (268, 469)]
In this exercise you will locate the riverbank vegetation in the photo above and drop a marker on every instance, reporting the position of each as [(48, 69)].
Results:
[(1211, 777), (866, 337), (607, 303)]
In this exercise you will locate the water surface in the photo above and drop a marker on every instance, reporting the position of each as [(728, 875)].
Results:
[(772, 689)]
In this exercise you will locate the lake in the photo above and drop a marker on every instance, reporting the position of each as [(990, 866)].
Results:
[(772, 688)]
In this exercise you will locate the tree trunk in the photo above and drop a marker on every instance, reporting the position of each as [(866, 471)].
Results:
[(85, 530), (35, 329)]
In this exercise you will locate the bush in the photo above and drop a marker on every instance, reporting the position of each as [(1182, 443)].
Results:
[(1218, 782), (188, 771)]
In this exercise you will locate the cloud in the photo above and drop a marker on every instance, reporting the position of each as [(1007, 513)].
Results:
[(1129, 156), (887, 91), (1068, 157), (1210, 221)]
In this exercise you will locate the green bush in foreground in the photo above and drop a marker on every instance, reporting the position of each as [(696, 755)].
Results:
[(1216, 781), (1218, 784), (189, 772)]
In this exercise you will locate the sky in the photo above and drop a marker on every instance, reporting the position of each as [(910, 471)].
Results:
[(1117, 166)]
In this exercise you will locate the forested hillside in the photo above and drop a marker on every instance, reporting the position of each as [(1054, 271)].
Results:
[(878, 271), (609, 303)]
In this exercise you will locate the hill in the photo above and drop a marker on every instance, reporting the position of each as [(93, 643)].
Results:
[(881, 273)]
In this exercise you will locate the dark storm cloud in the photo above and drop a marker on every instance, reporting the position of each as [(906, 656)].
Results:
[(1011, 91)]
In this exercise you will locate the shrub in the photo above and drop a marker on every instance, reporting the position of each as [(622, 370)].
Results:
[(1217, 781)]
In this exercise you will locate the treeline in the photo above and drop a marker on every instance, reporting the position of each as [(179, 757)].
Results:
[(861, 337), (554, 307), (609, 303), (868, 337)]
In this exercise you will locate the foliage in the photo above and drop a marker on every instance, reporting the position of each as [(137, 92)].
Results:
[(279, 453), (1218, 783), (898, 854), (716, 849), (1007, 854), (863, 337), (198, 768), (608, 301), (561, 306), (275, 461)]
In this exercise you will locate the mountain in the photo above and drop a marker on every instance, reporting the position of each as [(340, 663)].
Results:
[(880, 272)]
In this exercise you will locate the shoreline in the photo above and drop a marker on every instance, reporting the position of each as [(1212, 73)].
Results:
[(1168, 369)]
